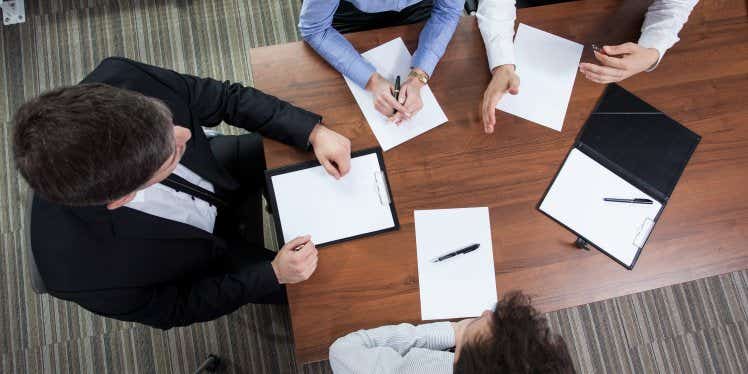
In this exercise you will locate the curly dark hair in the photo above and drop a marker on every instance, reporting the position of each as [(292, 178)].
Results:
[(520, 342), (90, 144)]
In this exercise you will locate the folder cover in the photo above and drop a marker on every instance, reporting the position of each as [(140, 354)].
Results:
[(642, 147)]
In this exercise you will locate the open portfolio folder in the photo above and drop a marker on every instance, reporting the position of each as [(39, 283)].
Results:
[(616, 181), (307, 200), (392, 59)]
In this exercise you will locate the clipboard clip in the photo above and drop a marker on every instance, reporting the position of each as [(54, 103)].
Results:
[(643, 234), (582, 243), (380, 182)]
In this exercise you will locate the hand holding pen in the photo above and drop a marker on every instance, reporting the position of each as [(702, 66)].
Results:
[(384, 101)]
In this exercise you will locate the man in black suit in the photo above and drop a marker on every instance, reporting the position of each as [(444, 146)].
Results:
[(138, 215)]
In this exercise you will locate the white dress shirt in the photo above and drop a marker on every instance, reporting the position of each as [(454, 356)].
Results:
[(168, 203), (403, 348), (662, 23)]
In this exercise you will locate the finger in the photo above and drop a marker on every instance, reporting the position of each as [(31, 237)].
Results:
[(514, 85), (307, 250), (381, 108), (396, 118), (615, 62), (330, 168), (603, 71), (295, 242), (344, 162), (403, 95), (487, 119), (620, 49), (397, 106), (597, 78)]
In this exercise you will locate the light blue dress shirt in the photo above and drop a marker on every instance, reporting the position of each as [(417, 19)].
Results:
[(315, 25)]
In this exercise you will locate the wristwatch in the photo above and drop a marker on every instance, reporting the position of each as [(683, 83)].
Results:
[(423, 77)]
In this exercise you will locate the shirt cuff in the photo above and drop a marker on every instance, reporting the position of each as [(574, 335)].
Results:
[(425, 60), (501, 53), (438, 336), (658, 42), (361, 71)]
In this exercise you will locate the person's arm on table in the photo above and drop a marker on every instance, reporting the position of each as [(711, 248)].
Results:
[(214, 102), (402, 348), (496, 24), (663, 21), (182, 303), (315, 26), (432, 42)]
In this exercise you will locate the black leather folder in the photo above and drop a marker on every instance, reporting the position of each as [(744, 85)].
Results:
[(639, 144)]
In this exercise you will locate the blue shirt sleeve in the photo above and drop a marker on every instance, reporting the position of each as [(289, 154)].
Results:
[(315, 26), (445, 15)]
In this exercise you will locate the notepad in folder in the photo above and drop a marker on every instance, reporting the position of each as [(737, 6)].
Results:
[(307, 200), (626, 150)]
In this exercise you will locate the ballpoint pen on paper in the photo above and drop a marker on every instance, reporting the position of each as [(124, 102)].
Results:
[(460, 251)]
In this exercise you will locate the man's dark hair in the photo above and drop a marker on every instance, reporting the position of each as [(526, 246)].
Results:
[(91, 144), (519, 342)]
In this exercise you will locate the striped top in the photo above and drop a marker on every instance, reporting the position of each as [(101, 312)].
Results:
[(403, 348)]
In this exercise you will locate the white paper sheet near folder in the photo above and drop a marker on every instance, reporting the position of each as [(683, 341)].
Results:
[(309, 201), (547, 67), (392, 59), (576, 200), (464, 285)]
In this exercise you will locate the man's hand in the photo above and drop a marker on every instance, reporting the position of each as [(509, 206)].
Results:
[(459, 328), (410, 97), (384, 102), (293, 266), (633, 59), (504, 80), (333, 150)]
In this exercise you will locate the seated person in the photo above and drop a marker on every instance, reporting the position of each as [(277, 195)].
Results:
[(513, 338), (137, 215), (321, 22), (663, 21)]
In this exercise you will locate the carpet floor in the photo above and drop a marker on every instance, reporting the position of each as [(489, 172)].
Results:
[(696, 327)]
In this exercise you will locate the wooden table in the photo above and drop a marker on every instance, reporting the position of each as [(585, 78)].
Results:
[(702, 82)]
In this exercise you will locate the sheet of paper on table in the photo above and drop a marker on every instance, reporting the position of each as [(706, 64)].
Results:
[(547, 66), (392, 59), (312, 202), (461, 286), (576, 200)]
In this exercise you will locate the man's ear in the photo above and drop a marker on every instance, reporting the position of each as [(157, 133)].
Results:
[(121, 201)]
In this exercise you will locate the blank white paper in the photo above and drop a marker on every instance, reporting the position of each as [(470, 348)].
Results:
[(461, 286), (576, 200), (547, 67), (392, 59), (312, 202)]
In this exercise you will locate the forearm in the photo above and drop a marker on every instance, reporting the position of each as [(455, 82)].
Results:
[(496, 23), (436, 34), (663, 22)]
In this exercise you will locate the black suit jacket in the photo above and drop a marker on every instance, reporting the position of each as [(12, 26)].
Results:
[(133, 266)]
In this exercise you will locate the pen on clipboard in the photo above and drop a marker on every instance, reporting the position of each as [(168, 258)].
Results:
[(630, 201), (460, 251)]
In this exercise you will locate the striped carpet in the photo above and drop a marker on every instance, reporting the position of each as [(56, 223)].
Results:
[(697, 327)]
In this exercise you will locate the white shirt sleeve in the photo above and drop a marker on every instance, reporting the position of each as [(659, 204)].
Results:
[(402, 348), (662, 23), (496, 24)]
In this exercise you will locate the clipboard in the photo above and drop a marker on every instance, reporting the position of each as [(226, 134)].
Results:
[(638, 144), (306, 200)]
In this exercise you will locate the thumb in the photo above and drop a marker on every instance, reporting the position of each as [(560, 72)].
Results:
[(297, 241), (403, 94), (514, 85), (331, 169), (619, 49)]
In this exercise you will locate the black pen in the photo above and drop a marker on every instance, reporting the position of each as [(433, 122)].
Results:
[(461, 251), (396, 92), (631, 201)]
